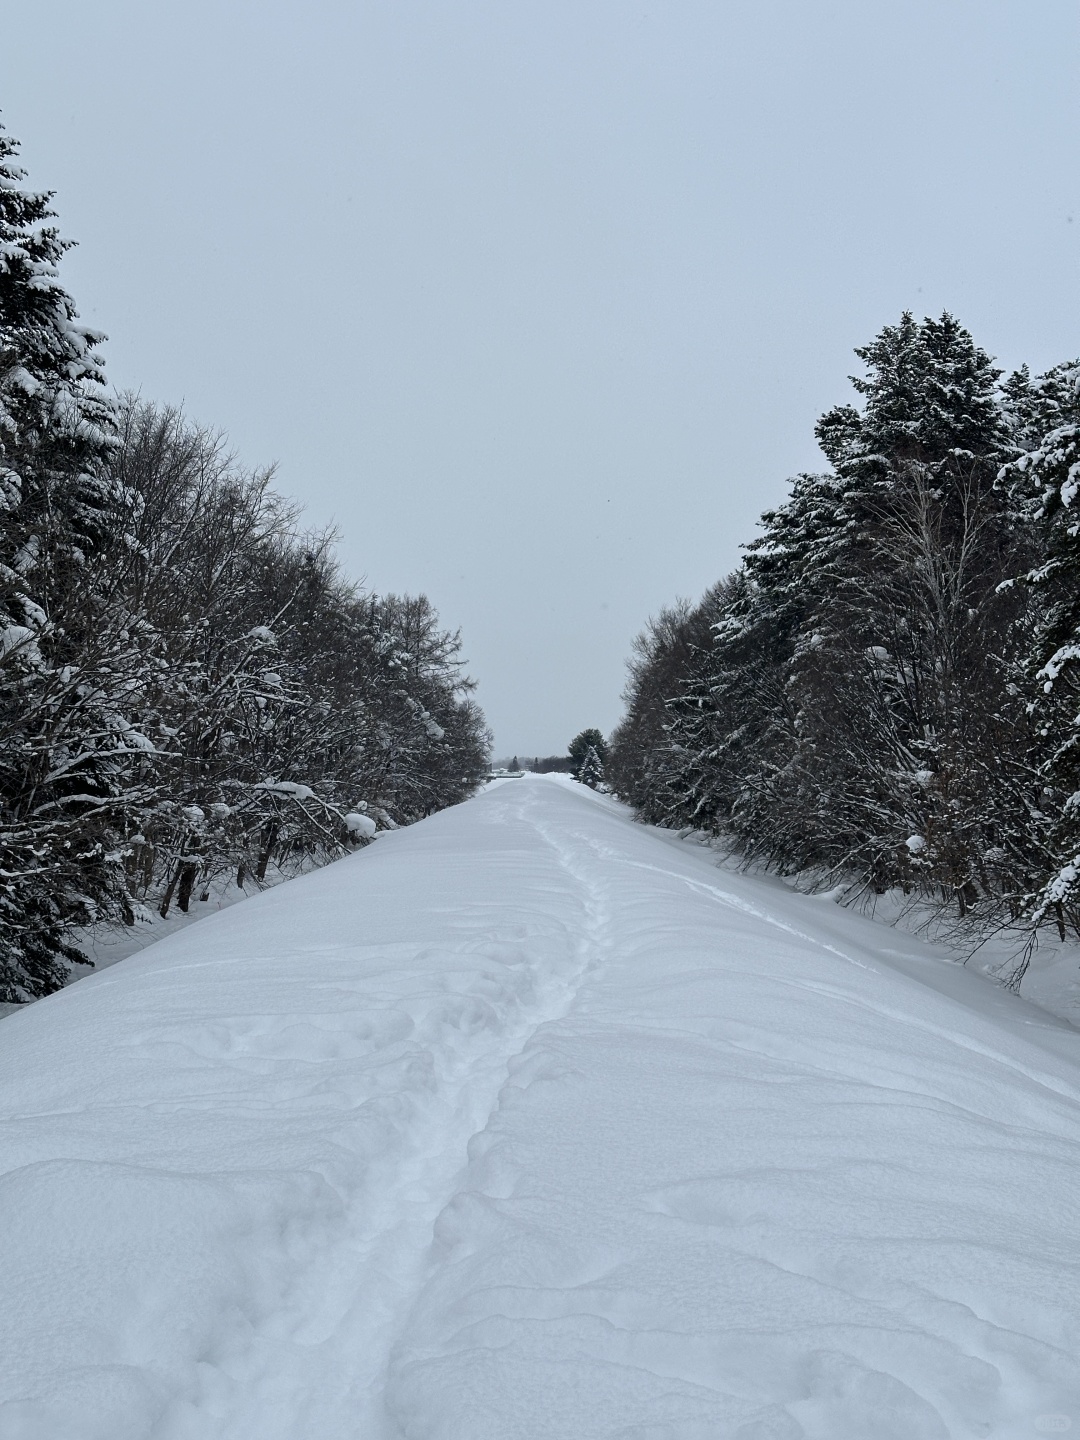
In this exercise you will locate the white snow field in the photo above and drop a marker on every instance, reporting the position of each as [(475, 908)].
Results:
[(530, 1123)]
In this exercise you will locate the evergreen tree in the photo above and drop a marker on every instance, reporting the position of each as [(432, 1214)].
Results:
[(1043, 485), (580, 746), (67, 664), (591, 770), (856, 703), (894, 669), (639, 744)]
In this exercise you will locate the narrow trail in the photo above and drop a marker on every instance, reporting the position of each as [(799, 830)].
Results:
[(493, 1075), (521, 1126), (471, 1092), (330, 1372)]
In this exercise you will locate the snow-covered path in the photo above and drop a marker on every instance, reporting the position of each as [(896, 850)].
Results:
[(529, 1123)]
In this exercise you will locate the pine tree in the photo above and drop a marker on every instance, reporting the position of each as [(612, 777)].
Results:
[(591, 770), (1044, 483), (895, 675), (930, 396), (858, 690), (580, 746), (640, 753), (67, 664)]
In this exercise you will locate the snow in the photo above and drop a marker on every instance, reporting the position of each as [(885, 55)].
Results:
[(530, 1123), (14, 637), (136, 740), (286, 787), (362, 825)]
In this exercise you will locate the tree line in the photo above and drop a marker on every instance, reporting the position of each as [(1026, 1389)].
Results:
[(584, 760), (885, 692), (189, 686)]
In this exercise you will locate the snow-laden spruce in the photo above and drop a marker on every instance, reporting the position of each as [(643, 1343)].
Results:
[(62, 752), (877, 668), (530, 1123)]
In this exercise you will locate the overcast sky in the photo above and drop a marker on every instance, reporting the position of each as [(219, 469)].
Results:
[(539, 302)]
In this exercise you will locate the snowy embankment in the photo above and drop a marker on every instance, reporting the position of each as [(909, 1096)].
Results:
[(530, 1124)]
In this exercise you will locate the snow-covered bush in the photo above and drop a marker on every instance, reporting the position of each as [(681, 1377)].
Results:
[(188, 685)]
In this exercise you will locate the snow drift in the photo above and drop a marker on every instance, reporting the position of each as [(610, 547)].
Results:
[(528, 1123)]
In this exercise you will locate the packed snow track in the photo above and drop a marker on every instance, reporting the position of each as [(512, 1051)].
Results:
[(531, 1123)]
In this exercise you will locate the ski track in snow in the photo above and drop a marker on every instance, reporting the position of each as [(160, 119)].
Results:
[(518, 1126)]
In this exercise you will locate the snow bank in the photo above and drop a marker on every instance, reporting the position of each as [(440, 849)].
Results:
[(529, 1122)]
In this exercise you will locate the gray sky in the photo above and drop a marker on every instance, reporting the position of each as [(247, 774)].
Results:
[(539, 302)]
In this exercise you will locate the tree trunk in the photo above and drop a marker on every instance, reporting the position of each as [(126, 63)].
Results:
[(189, 871), (270, 834), (166, 899)]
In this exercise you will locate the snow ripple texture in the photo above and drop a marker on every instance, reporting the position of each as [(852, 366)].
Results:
[(529, 1123)]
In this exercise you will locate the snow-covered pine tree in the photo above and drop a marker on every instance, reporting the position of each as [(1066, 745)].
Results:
[(897, 674), (731, 724), (858, 693), (579, 747), (67, 664), (1043, 485), (640, 751), (591, 770)]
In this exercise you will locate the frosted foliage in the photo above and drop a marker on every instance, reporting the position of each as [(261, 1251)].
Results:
[(147, 583), (62, 724), (884, 697)]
